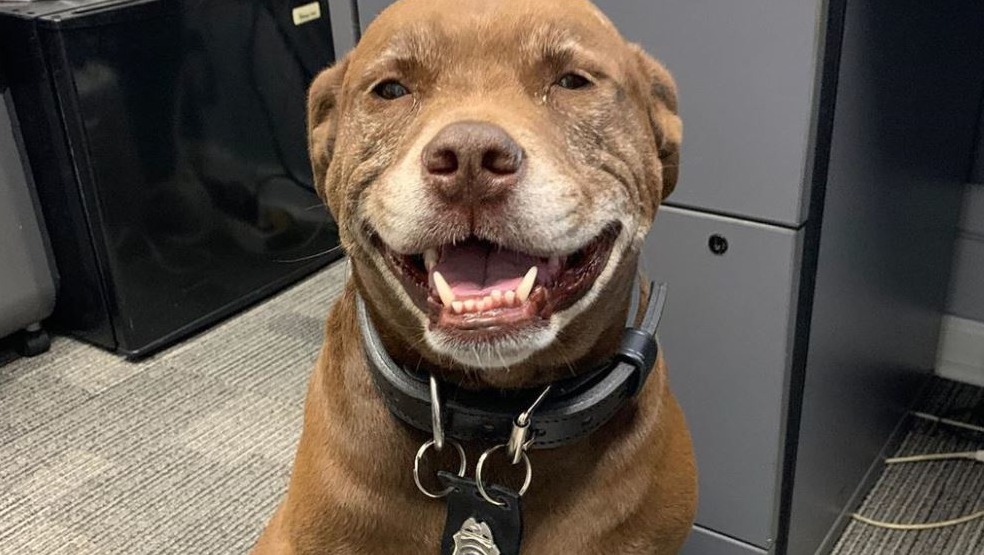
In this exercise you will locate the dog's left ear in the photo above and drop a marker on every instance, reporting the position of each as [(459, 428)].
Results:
[(663, 117), (322, 121)]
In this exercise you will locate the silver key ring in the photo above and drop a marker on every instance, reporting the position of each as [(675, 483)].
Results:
[(420, 455), (481, 465)]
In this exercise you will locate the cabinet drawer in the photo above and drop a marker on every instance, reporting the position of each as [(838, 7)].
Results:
[(727, 338), (746, 76)]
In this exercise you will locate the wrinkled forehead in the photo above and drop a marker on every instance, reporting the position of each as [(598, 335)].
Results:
[(468, 35)]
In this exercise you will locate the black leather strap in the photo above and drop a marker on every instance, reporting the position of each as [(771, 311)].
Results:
[(573, 409)]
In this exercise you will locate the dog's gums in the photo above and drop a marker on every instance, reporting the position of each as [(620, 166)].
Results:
[(478, 285)]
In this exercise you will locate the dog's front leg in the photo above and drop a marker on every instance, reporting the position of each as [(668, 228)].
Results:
[(274, 540)]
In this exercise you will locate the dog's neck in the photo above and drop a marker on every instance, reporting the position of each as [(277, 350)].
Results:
[(571, 409), (517, 377)]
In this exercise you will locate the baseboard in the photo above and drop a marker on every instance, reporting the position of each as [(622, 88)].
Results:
[(961, 352)]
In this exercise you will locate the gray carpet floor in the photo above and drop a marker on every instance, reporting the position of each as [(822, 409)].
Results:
[(186, 452), (928, 491), (189, 451)]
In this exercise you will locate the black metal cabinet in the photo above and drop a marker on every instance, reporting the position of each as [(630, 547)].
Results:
[(175, 176)]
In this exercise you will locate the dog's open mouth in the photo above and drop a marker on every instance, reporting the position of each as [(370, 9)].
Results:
[(475, 285)]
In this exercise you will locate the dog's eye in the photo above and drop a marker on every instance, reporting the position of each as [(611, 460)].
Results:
[(573, 81), (390, 90)]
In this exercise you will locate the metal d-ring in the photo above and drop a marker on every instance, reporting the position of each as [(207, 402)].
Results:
[(420, 455), (481, 465)]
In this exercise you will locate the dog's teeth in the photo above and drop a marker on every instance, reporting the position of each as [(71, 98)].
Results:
[(458, 307), (430, 259), (496, 298), (510, 298), (443, 289), (470, 305), (523, 291), (489, 303)]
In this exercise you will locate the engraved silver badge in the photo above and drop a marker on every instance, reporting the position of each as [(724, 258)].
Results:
[(474, 538)]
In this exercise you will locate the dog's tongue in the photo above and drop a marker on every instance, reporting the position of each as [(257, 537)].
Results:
[(476, 268)]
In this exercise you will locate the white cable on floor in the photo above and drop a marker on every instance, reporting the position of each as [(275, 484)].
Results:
[(947, 421), (917, 526), (963, 455), (966, 455)]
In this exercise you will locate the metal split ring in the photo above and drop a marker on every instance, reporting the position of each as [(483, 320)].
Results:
[(481, 465), (462, 467)]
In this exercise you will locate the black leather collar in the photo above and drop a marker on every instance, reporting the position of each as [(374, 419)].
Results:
[(573, 409)]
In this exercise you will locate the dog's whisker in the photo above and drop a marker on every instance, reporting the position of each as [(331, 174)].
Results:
[(566, 360), (311, 256), (502, 360)]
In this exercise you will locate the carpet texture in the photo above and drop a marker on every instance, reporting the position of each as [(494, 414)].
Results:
[(190, 451), (928, 491), (185, 452)]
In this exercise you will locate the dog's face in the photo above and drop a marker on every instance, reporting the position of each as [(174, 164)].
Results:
[(494, 168)]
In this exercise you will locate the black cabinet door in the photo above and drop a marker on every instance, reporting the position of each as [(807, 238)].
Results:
[(186, 121)]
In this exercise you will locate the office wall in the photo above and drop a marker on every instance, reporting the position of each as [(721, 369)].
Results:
[(961, 353), (967, 289)]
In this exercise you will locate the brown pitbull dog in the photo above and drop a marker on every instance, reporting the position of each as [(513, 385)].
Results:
[(493, 168)]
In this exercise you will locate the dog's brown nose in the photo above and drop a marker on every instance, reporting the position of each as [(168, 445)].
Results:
[(472, 161)]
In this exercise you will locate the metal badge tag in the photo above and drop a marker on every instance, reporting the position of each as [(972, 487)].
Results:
[(474, 538), (476, 527)]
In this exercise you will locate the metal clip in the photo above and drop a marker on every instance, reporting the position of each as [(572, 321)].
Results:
[(437, 443), (436, 425), (519, 438)]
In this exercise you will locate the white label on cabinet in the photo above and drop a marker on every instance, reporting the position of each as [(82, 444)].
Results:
[(307, 12)]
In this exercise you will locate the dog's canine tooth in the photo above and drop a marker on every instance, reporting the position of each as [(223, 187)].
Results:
[(443, 289), (470, 305), (458, 307), (510, 298), (430, 258), (526, 286)]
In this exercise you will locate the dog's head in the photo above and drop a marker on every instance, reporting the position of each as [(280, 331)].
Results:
[(494, 168)]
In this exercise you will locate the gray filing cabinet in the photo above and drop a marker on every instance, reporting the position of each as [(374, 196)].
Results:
[(27, 281), (728, 339), (825, 144)]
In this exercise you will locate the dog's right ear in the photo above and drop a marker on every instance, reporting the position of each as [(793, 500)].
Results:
[(322, 121)]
